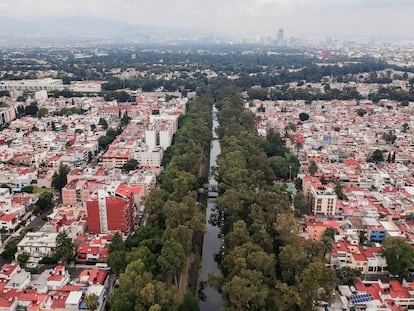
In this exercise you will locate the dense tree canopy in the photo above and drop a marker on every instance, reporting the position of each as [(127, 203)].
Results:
[(64, 248), (264, 265), (151, 260), (399, 255), (59, 179)]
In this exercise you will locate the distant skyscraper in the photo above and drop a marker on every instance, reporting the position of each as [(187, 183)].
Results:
[(279, 38)]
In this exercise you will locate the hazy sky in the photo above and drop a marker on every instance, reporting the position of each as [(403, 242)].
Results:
[(246, 17)]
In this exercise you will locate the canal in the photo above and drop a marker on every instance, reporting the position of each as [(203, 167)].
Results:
[(212, 299)]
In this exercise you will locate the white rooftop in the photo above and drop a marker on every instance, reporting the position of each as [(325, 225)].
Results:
[(74, 298)]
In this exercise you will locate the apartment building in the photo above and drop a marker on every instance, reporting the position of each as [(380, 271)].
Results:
[(323, 200), (111, 209)]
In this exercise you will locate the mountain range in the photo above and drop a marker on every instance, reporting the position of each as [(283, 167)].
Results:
[(63, 28)]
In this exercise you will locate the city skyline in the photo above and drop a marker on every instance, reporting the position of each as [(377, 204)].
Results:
[(351, 18)]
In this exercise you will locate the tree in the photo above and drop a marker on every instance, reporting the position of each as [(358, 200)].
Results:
[(27, 189), (286, 297), (45, 200), (64, 248), (104, 141), (59, 179), (405, 127), (181, 234), (91, 301), (346, 276), (399, 255), (130, 165), (291, 261), (291, 126), (339, 191), (144, 235), (246, 291), (22, 258), (330, 233), (117, 260), (361, 112), (389, 137), (301, 204), (103, 123), (376, 157), (313, 168), (125, 119), (315, 284), (238, 236), (303, 116), (31, 109), (190, 302), (172, 259), (43, 112), (117, 244)]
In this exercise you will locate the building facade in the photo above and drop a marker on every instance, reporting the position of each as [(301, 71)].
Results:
[(111, 209), (323, 201)]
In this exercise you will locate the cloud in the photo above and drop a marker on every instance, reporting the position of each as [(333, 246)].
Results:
[(249, 17)]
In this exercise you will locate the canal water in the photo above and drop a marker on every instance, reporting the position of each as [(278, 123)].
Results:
[(212, 299)]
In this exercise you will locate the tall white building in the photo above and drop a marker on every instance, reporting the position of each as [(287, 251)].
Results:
[(159, 133), (149, 156), (323, 200)]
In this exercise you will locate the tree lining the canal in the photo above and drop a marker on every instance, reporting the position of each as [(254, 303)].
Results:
[(149, 278), (264, 264)]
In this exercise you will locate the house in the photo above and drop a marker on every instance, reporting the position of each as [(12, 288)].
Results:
[(57, 278), (37, 245), (93, 276), (9, 222), (73, 300), (19, 280), (364, 259)]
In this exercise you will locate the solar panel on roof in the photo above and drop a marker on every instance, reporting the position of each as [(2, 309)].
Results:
[(361, 298)]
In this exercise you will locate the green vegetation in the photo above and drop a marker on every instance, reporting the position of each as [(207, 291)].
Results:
[(339, 191), (313, 168), (106, 140), (27, 189), (103, 123), (22, 258), (130, 165), (91, 301), (361, 112), (69, 111), (59, 179), (303, 116), (399, 255), (151, 260), (64, 248), (376, 157), (48, 261), (265, 266), (11, 248)]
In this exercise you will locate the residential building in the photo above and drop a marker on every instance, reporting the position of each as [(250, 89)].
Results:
[(47, 84), (322, 200), (37, 245), (111, 209)]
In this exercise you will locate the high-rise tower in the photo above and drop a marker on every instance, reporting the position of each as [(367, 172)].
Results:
[(279, 38)]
